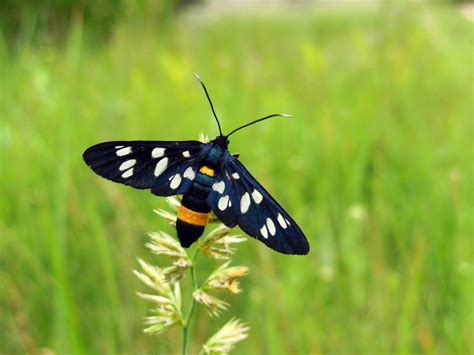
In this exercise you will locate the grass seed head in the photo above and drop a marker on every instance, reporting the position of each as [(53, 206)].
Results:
[(218, 243), (213, 304), (226, 278), (167, 299), (225, 339)]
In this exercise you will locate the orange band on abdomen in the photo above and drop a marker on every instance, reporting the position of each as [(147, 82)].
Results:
[(206, 170), (192, 217)]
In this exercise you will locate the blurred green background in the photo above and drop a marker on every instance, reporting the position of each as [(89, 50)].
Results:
[(376, 167)]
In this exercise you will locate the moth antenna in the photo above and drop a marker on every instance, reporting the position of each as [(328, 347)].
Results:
[(259, 120), (210, 102)]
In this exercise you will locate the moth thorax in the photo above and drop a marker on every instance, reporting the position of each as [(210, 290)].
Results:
[(215, 155)]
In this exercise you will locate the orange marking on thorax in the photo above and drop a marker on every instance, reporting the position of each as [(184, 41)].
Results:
[(192, 217), (206, 170)]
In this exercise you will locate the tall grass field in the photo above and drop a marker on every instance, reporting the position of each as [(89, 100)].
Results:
[(376, 166)]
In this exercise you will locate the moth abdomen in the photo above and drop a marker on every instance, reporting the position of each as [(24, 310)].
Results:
[(193, 213)]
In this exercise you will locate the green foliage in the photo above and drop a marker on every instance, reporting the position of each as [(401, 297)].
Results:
[(51, 20), (376, 166)]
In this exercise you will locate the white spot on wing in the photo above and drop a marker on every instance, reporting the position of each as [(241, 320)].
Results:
[(119, 146), (223, 202), (127, 164), (186, 154), (257, 196), (161, 166), (271, 226), (128, 173), (176, 181), (245, 203), (263, 232), (235, 176), (157, 152), (219, 186), (123, 151), (189, 173), (282, 222)]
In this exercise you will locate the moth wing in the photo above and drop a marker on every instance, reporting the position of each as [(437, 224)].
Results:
[(255, 210), (168, 168), (224, 198)]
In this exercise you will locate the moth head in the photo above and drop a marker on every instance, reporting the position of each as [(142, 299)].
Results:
[(222, 141)]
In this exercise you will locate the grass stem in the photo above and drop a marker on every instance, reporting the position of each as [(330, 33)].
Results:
[(187, 322)]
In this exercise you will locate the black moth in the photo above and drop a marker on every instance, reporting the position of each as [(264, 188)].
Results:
[(209, 178)]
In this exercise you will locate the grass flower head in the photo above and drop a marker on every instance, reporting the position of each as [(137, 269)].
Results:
[(226, 278), (213, 304), (218, 243), (225, 339), (164, 244), (167, 300)]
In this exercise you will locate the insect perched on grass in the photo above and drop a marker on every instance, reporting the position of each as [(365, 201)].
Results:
[(209, 178)]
